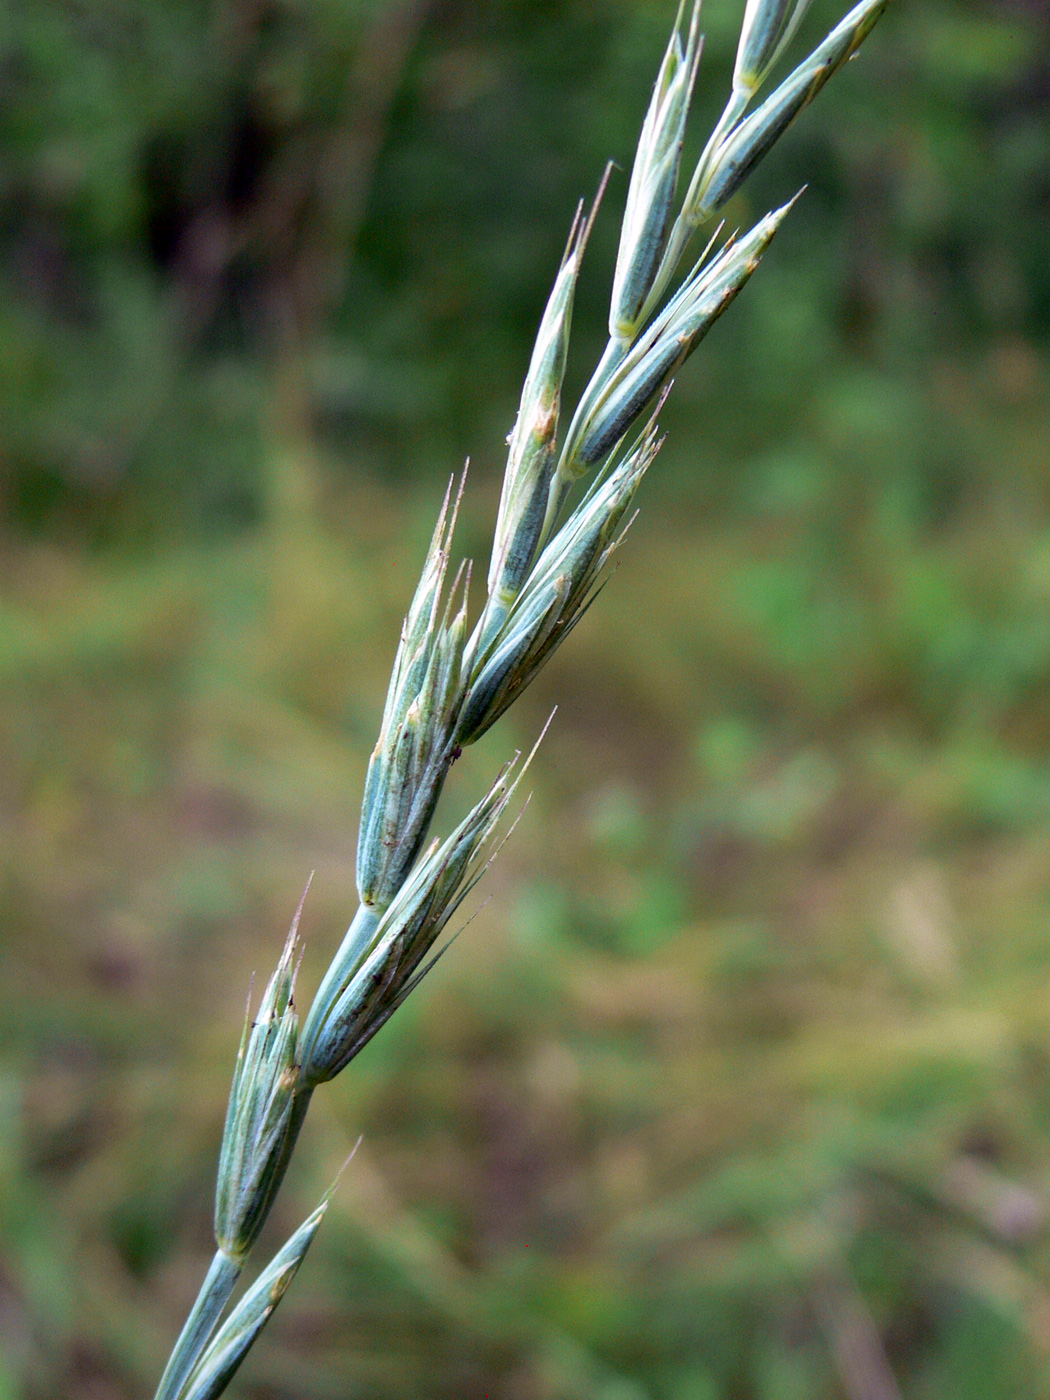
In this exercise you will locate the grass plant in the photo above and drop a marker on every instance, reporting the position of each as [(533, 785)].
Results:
[(452, 681)]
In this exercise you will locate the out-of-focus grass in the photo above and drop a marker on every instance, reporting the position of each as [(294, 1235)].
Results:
[(737, 1086)]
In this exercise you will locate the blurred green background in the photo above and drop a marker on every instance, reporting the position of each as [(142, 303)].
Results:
[(738, 1087)]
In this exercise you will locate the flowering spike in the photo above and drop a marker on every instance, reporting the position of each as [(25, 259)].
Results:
[(667, 343), (235, 1337), (728, 166), (654, 178), (260, 1108), (447, 689), (387, 964), (557, 593), (532, 442), (411, 758), (768, 28)]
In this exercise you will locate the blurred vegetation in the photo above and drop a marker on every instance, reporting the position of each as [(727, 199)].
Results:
[(739, 1087)]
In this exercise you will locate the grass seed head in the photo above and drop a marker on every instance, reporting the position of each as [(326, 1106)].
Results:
[(768, 28), (412, 756), (742, 149), (392, 965), (558, 592), (523, 502), (260, 1107), (669, 341), (447, 690), (654, 178), (234, 1338)]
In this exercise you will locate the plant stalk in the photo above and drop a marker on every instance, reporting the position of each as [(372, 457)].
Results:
[(215, 1291), (355, 943)]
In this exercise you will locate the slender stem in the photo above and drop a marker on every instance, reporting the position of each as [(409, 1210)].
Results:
[(734, 110), (300, 1104), (612, 357), (358, 937), (201, 1323), (492, 619)]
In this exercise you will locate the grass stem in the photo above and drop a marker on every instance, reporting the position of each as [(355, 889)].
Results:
[(214, 1294)]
